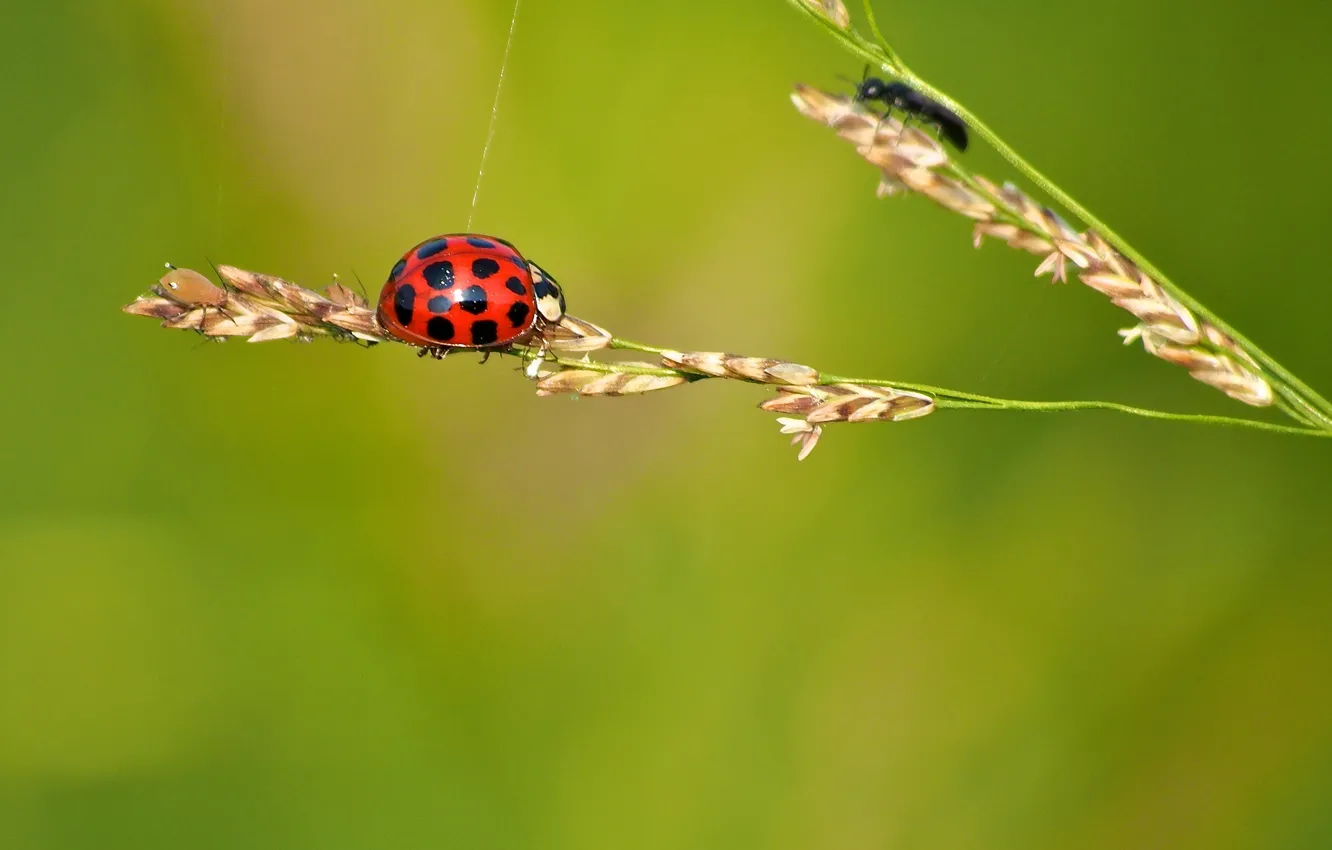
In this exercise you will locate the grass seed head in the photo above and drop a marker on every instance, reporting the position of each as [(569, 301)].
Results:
[(762, 370), (911, 161), (814, 407), (261, 307), (864, 403)]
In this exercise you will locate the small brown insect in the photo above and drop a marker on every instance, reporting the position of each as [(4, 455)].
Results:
[(188, 287), (191, 289), (343, 296)]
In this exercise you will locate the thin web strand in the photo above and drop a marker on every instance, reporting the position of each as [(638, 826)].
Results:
[(494, 114)]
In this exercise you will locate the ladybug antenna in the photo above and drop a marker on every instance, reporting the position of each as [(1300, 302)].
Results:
[(170, 266)]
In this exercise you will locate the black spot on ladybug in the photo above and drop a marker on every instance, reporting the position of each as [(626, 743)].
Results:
[(439, 329), (484, 332), (515, 286), (473, 300), (439, 304), (518, 314), (543, 289), (484, 267), (397, 270), (438, 275), (431, 248), (404, 302), (477, 242), (519, 262)]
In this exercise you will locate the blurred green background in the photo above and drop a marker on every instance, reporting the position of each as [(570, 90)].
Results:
[(316, 596)]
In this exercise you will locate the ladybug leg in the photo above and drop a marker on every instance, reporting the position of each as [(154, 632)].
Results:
[(485, 355), (534, 365)]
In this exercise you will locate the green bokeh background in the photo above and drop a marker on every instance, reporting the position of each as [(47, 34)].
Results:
[(316, 596)]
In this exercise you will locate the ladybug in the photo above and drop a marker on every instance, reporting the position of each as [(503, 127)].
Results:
[(464, 290)]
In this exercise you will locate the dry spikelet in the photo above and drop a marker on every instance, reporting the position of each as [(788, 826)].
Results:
[(762, 370), (814, 407), (265, 308), (598, 382), (852, 403), (833, 10), (911, 161), (579, 335)]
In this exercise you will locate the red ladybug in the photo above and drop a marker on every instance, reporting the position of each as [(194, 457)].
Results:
[(463, 290)]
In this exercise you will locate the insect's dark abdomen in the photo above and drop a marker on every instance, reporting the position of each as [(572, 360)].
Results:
[(954, 129)]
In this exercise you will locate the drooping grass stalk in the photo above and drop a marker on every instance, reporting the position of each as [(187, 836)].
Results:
[(1293, 396), (944, 397), (265, 308)]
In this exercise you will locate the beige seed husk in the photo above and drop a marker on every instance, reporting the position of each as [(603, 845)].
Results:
[(577, 335), (283, 330), (763, 370), (596, 382), (706, 362), (833, 10), (790, 403), (792, 373)]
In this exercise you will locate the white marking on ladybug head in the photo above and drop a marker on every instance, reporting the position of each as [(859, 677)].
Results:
[(549, 298)]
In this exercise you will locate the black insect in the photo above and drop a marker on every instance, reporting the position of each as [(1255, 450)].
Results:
[(899, 95)]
